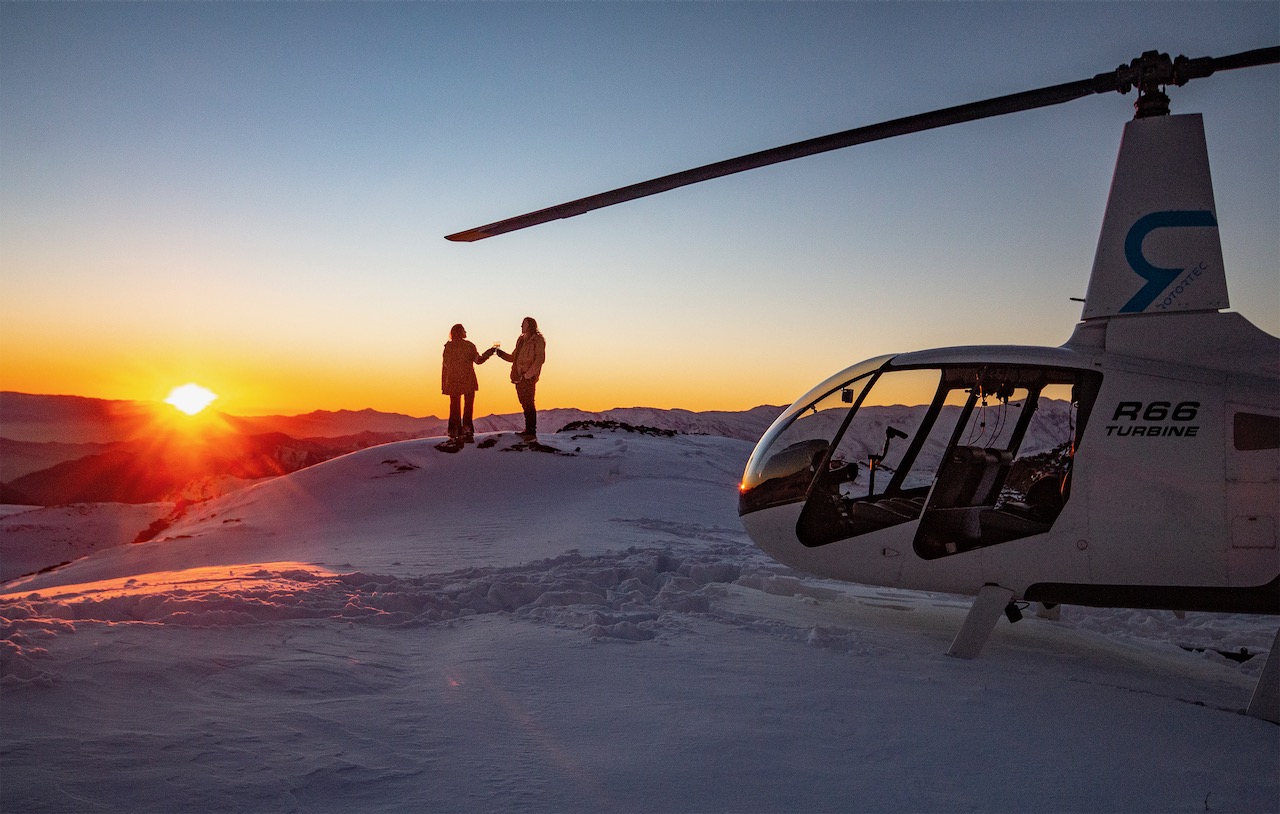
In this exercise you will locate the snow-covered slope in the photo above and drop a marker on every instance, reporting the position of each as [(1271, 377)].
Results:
[(408, 508), (33, 538), (506, 629)]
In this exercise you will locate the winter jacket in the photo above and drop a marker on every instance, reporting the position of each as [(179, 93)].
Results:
[(526, 360), (458, 374)]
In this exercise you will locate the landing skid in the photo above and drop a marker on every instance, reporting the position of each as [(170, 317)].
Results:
[(982, 618), (992, 600), (1265, 703)]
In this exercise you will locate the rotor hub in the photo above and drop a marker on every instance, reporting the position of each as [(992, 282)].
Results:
[(1149, 73)]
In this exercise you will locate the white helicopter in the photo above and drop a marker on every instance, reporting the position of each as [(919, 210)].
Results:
[(1136, 466)]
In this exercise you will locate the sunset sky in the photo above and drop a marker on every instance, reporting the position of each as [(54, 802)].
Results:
[(254, 196)]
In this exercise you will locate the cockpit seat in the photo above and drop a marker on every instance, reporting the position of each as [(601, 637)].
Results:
[(1044, 499), (966, 484), (968, 478), (878, 512), (911, 507)]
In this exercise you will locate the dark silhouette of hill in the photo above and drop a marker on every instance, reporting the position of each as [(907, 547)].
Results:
[(18, 458), (71, 419), (12, 497), (158, 470), (339, 424), (745, 425)]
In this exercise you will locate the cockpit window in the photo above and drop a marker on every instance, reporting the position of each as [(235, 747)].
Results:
[(1007, 475), (976, 454), (871, 479)]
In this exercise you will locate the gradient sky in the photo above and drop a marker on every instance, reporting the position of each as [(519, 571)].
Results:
[(254, 196)]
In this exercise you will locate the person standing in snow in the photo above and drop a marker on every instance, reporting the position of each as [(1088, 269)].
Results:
[(526, 366), (458, 382)]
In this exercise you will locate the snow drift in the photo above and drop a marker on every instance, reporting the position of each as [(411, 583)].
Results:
[(583, 629)]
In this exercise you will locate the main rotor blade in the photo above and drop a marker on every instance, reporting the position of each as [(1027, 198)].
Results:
[(1245, 59), (1144, 71)]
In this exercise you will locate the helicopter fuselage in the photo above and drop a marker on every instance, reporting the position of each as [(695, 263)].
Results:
[(1084, 474), (1137, 465)]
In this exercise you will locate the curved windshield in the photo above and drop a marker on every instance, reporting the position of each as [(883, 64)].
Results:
[(778, 471)]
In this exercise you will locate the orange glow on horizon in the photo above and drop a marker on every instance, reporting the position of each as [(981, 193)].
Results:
[(258, 374), (249, 385)]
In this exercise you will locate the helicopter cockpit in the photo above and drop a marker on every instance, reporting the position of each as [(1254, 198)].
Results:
[(977, 453)]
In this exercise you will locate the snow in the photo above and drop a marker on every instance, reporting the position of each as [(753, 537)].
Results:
[(508, 629), (37, 537)]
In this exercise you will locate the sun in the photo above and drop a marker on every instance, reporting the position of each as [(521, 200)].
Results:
[(190, 398)]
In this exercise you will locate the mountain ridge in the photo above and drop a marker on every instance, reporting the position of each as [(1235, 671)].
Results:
[(119, 452), (32, 418)]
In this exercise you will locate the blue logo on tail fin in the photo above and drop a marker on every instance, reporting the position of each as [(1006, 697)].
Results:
[(1158, 279)]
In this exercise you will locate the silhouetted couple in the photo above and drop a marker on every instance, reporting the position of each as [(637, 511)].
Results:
[(458, 377)]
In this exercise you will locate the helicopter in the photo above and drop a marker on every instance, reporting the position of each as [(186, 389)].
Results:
[(1135, 466)]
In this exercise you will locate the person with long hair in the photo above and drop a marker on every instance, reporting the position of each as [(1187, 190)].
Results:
[(526, 366), (458, 382)]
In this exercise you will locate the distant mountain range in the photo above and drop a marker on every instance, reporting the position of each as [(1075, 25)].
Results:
[(746, 425), (57, 450)]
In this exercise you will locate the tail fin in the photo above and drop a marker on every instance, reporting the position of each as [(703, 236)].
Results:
[(1159, 250)]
